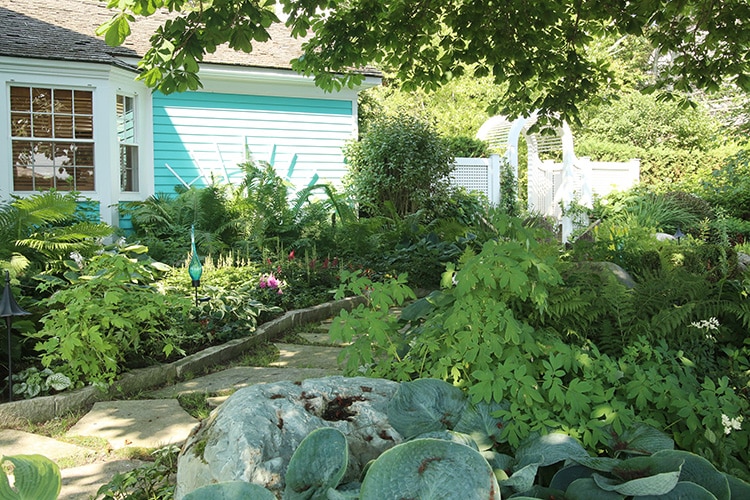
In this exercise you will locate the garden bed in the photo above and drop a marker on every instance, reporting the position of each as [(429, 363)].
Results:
[(48, 407)]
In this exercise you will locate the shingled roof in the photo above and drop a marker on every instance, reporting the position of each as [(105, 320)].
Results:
[(65, 30)]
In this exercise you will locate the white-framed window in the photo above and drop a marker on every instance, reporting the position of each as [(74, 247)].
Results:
[(52, 138), (127, 142)]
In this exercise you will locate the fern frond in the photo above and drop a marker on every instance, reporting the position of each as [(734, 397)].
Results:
[(45, 208), (16, 265)]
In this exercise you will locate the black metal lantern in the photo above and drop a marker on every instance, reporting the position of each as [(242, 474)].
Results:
[(9, 308)]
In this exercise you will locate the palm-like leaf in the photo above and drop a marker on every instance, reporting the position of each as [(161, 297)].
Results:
[(59, 242)]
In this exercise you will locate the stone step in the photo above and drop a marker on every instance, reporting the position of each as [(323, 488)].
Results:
[(237, 377), (306, 356), (145, 423)]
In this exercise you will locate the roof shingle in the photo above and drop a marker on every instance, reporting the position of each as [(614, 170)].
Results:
[(65, 30)]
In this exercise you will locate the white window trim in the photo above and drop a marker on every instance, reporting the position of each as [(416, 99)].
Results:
[(105, 82)]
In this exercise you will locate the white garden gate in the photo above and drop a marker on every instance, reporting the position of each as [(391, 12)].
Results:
[(551, 185)]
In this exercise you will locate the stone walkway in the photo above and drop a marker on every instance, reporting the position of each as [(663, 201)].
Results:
[(157, 419)]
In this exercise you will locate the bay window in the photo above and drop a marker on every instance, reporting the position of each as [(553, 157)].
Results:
[(52, 138)]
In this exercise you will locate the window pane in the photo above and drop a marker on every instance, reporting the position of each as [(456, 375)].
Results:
[(64, 180), (42, 125), (83, 154), (84, 127), (84, 179), (63, 126), (23, 171), (41, 100), (82, 102), (63, 101), (128, 168), (20, 99), (20, 124), (43, 164)]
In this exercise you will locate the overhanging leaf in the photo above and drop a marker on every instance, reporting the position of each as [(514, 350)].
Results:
[(36, 477)]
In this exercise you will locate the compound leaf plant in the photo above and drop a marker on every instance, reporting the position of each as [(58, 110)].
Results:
[(481, 333)]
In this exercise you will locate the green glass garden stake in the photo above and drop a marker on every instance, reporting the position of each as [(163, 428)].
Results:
[(195, 269)]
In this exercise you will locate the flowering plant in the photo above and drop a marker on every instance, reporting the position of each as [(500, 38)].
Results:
[(271, 283)]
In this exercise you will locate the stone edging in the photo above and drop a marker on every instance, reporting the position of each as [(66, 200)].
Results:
[(48, 407)]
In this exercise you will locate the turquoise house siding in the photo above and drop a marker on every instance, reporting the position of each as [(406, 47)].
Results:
[(202, 133)]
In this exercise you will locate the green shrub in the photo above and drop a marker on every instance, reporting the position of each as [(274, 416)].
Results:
[(728, 186), (108, 315), (400, 160), (467, 147)]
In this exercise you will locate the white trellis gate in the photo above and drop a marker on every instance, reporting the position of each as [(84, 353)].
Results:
[(551, 184)]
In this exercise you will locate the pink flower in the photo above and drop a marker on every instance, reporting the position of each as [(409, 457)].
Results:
[(273, 282), (291, 255)]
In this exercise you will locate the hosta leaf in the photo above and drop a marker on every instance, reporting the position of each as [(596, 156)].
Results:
[(549, 449), (318, 463), (456, 437), (738, 487), (565, 476), (601, 464), (650, 476), (587, 489), (425, 405), (35, 478), (233, 490), (698, 470), (430, 468), (478, 422), (641, 439), (522, 479), (682, 491), (537, 492)]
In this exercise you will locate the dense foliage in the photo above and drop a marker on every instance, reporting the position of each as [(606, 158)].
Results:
[(564, 348), (427, 44)]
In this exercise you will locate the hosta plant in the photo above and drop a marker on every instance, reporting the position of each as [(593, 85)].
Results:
[(453, 450)]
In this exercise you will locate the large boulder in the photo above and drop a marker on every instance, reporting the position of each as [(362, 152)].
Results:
[(252, 436)]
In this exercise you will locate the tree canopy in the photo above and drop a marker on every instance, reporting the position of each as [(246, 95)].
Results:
[(540, 48)]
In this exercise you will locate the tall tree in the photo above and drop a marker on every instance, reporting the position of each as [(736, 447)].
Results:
[(539, 48)]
